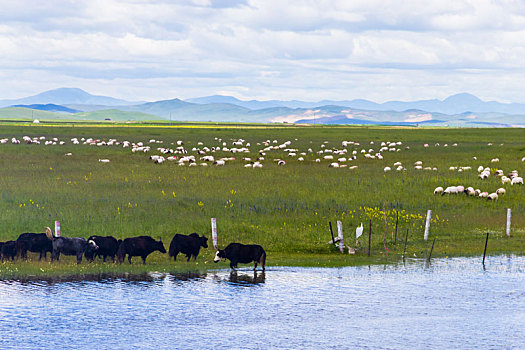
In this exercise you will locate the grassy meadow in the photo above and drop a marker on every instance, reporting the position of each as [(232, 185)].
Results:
[(286, 208)]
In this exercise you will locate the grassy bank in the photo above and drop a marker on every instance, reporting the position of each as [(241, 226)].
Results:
[(286, 209)]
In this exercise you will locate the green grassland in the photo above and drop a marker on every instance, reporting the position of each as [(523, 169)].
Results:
[(286, 209)]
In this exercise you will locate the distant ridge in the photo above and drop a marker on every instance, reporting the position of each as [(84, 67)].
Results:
[(454, 104), (49, 107), (66, 96), (457, 110)]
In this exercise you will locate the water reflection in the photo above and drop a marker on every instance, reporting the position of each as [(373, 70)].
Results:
[(286, 307), (255, 278)]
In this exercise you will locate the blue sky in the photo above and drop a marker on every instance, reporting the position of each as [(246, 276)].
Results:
[(269, 49)]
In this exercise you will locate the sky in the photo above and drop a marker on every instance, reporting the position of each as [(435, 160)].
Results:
[(269, 49)]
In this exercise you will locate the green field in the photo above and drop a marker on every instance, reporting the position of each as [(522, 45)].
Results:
[(286, 208)]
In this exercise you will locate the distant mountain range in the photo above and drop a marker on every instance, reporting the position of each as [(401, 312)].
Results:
[(458, 110), (454, 104), (66, 96)]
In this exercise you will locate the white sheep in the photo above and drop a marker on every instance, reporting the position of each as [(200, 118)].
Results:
[(518, 180), (500, 191), (492, 197), (451, 190), (438, 190), (103, 160), (387, 168)]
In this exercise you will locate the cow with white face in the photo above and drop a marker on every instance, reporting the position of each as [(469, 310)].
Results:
[(242, 253)]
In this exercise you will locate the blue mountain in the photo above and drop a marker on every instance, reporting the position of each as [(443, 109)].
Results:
[(50, 107)]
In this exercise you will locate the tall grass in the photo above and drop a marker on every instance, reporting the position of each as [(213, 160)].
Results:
[(284, 208)]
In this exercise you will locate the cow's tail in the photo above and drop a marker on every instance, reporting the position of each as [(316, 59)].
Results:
[(262, 260), (49, 233)]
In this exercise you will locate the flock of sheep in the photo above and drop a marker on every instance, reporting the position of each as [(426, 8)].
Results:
[(336, 157)]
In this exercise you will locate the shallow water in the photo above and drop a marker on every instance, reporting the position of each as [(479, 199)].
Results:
[(452, 303)]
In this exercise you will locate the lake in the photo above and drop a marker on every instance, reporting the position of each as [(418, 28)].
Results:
[(453, 303)]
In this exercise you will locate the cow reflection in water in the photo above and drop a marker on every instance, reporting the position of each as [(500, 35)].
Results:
[(256, 278)]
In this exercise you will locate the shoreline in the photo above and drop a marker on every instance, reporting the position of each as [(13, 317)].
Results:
[(69, 271)]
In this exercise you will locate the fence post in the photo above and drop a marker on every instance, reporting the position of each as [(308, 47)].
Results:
[(427, 224), (508, 221), (214, 232), (57, 228), (340, 235)]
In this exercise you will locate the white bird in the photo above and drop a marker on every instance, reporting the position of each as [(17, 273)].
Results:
[(359, 231)]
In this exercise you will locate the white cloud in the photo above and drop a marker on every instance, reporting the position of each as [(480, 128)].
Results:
[(286, 49)]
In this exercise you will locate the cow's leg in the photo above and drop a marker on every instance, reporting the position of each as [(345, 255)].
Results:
[(144, 259), (233, 264), (254, 265), (104, 259), (188, 257), (175, 255), (79, 258), (129, 258)]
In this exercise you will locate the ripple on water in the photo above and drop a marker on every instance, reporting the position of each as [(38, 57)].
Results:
[(451, 303)]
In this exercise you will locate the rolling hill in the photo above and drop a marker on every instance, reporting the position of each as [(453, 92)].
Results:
[(458, 110)]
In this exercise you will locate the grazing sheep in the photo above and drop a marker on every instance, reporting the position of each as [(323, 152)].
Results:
[(500, 191), (438, 190), (387, 168), (492, 197), (103, 160), (451, 190), (281, 162), (517, 181), (483, 194)]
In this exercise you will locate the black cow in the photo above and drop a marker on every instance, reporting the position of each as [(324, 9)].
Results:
[(139, 246), (242, 253), (71, 246), (189, 245), (8, 250), (107, 247), (34, 242)]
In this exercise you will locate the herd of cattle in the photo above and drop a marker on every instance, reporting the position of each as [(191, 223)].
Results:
[(109, 247)]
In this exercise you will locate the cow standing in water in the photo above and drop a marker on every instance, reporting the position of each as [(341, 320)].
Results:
[(242, 253), (139, 246)]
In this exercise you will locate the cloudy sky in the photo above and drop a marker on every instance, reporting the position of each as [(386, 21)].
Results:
[(268, 49)]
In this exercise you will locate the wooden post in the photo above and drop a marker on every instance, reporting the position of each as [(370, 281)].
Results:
[(386, 228), (369, 236), (431, 249), (331, 232), (214, 232), (405, 249), (57, 229), (340, 235), (485, 250), (427, 224), (397, 221), (508, 221)]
